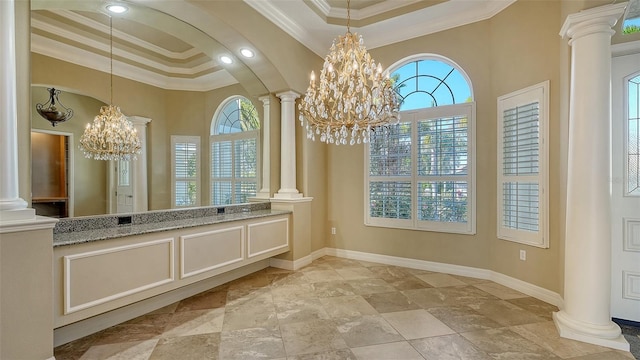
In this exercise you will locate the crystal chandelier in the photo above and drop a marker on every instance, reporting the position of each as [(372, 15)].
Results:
[(353, 99), (111, 136)]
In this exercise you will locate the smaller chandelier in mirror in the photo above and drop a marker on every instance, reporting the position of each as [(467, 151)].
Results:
[(111, 136), (53, 111)]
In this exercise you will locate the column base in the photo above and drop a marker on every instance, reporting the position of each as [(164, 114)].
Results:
[(260, 196), (18, 215), (288, 195), (608, 335)]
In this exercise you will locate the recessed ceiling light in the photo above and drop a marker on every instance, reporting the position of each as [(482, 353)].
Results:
[(247, 52), (117, 9), (226, 59)]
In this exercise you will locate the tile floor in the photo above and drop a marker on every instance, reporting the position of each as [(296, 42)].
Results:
[(343, 309)]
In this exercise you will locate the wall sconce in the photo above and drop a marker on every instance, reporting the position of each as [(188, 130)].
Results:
[(51, 112)]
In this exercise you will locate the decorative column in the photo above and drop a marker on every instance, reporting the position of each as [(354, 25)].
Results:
[(12, 207), (587, 276), (140, 191), (288, 188), (265, 191), (288, 198), (26, 240)]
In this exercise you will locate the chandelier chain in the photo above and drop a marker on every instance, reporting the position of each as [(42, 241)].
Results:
[(348, 16), (111, 59)]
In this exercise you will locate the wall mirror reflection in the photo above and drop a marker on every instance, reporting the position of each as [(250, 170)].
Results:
[(161, 71)]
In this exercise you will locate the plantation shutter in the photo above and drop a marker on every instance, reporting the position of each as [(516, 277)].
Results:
[(186, 169), (521, 176)]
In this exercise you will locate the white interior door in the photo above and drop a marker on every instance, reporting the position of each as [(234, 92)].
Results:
[(124, 187), (625, 189)]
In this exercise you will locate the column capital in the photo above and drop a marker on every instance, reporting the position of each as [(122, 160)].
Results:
[(288, 95), (590, 21), (266, 100), (139, 120)]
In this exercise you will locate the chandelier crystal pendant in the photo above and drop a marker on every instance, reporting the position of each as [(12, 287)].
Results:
[(353, 98), (111, 136)]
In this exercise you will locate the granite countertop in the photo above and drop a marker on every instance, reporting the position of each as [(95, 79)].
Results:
[(79, 237)]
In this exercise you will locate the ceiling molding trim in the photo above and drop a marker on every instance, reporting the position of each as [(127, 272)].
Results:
[(322, 6), (122, 36), (54, 46), (273, 14), (369, 11), (80, 57)]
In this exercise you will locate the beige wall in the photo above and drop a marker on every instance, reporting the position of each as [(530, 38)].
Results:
[(89, 176), (515, 49)]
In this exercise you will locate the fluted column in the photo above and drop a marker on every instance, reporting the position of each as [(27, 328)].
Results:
[(12, 207), (585, 315), (265, 190), (288, 188)]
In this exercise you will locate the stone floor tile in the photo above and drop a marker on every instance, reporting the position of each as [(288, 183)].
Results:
[(347, 306), (196, 347), (311, 337), (351, 273), (505, 313), (296, 310), (195, 322), (415, 324), (343, 354), (448, 347), (504, 343), (500, 291), (135, 350), (440, 280), (545, 335), (463, 318), (370, 286), (211, 299), (389, 302), (390, 351), (254, 343), (332, 288), (367, 330), (535, 306), (322, 275)]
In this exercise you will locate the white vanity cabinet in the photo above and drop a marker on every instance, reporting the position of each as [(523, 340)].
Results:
[(95, 277)]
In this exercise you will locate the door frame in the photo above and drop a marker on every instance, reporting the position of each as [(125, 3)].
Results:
[(70, 165)]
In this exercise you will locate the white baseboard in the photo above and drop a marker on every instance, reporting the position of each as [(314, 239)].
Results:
[(535, 291), (77, 330), (297, 264)]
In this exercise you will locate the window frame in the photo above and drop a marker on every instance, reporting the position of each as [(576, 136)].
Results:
[(413, 117), (216, 137), (540, 93), (177, 139), (442, 111)]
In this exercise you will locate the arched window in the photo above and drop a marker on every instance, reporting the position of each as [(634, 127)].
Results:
[(235, 130), (420, 172)]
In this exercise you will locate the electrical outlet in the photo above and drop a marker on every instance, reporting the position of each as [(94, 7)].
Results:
[(523, 255), (333, 231)]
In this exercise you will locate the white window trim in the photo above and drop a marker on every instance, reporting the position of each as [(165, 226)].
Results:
[(184, 139), (413, 116), (539, 93), (233, 137)]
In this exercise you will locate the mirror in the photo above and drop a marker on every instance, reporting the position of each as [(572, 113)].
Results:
[(163, 69)]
